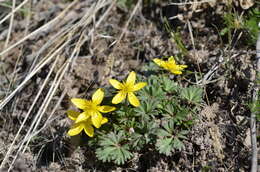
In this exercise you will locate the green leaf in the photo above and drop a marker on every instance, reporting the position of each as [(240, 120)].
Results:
[(224, 31), (125, 5), (169, 85), (112, 147), (182, 134), (120, 155), (153, 89), (105, 154), (165, 146), (192, 94), (177, 144), (163, 133), (251, 24)]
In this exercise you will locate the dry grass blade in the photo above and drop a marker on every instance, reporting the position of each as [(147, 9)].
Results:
[(11, 148), (64, 39), (253, 115), (111, 59), (11, 24), (8, 98), (191, 3), (13, 11), (41, 29)]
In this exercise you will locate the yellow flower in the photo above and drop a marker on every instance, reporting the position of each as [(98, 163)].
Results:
[(91, 108), (127, 89), (86, 125), (170, 65)]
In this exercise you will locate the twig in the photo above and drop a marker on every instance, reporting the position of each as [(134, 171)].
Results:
[(21, 146), (196, 55), (13, 11), (253, 115), (128, 22), (116, 43), (11, 24), (41, 29), (191, 3)]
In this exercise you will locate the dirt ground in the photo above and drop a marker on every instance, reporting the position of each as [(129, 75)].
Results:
[(87, 42)]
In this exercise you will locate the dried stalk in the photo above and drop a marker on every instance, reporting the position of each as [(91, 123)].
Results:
[(253, 115)]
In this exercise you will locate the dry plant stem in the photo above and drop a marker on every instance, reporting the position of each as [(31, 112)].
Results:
[(11, 147), (49, 98), (11, 25), (44, 27), (258, 53), (253, 115), (38, 67), (50, 120), (194, 49), (41, 111), (14, 74), (59, 75), (26, 117), (129, 20), (191, 3), (96, 25), (123, 33), (7, 99), (50, 95), (13, 11)]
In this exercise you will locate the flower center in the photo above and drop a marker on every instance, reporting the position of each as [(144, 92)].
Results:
[(91, 107), (127, 88)]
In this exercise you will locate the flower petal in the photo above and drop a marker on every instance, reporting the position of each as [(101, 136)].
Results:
[(159, 62), (139, 85), (133, 99), (96, 119), (80, 103), (98, 96), (73, 114), (183, 66), (75, 129), (104, 120), (116, 84), (131, 78), (89, 130), (82, 117), (176, 72), (119, 97), (106, 109), (171, 60)]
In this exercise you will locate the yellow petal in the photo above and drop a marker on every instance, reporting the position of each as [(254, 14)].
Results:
[(119, 97), (116, 84), (159, 62), (139, 86), (82, 117), (89, 130), (80, 103), (183, 66), (106, 109), (131, 78), (176, 72), (171, 60), (96, 119), (133, 99), (98, 96), (73, 114), (75, 129), (166, 66), (104, 120)]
